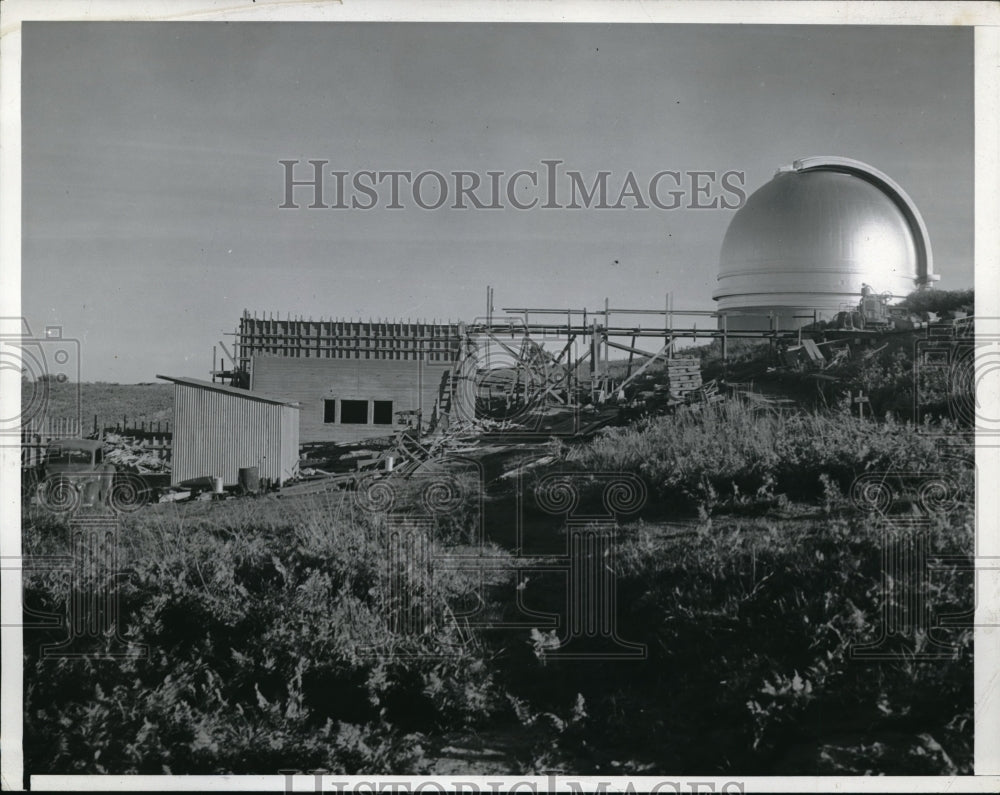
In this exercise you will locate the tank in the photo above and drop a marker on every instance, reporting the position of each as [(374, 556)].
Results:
[(804, 245)]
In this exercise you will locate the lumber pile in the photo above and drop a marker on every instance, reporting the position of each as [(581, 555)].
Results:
[(706, 393), (683, 377), (136, 455)]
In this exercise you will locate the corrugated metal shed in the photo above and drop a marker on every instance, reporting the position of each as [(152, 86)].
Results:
[(219, 429)]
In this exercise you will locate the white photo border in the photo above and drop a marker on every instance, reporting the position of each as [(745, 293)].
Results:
[(984, 17)]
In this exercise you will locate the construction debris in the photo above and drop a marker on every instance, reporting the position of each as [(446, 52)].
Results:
[(707, 393), (805, 356), (319, 485), (136, 455), (683, 377)]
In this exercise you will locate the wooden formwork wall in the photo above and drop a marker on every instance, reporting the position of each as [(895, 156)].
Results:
[(407, 364), (410, 385), (347, 339)]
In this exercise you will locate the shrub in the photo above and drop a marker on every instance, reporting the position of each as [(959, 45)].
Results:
[(941, 302), (732, 446), (276, 641), (286, 635), (750, 631)]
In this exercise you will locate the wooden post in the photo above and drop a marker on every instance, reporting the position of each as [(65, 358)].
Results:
[(594, 348), (861, 399), (668, 325), (607, 350), (725, 338)]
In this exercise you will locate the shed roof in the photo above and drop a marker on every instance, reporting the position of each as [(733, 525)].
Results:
[(235, 391)]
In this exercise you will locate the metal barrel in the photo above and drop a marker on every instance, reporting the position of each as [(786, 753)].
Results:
[(249, 479)]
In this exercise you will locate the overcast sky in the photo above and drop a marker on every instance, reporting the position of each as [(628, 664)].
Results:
[(152, 184)]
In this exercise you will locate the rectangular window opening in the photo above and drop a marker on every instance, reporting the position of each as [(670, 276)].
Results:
[(354, 412), (329, 411), (383, 412)]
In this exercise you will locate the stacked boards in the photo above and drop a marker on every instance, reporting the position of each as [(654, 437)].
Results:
[(678, 385), (683, 377)]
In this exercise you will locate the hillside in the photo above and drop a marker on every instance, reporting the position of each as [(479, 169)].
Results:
[(110, 403), (756, 547), (750, 576)]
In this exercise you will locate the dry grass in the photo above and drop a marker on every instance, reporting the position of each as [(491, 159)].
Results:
[(279, 632), (733, 448)]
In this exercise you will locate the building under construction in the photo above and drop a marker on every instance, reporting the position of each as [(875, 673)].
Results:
[(352, 379), (355, 380)]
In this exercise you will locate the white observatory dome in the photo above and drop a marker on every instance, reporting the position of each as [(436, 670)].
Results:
[(805, 243)]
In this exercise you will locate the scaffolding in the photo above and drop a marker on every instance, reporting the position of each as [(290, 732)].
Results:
[(512, 343)]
